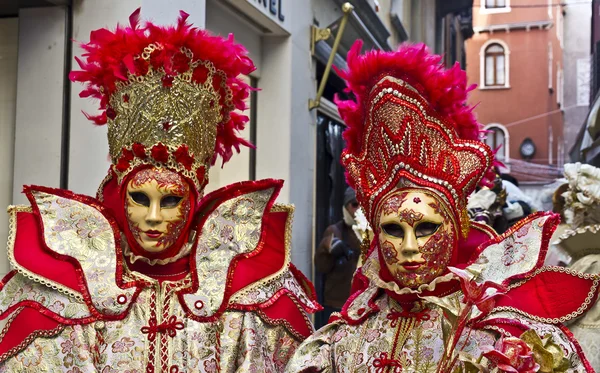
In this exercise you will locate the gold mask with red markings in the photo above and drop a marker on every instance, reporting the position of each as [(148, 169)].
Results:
[(158, 205), (416, 236)]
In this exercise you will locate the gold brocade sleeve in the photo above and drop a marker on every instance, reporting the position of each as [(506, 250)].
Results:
[(315, 354), (249, 344), (69, 351)]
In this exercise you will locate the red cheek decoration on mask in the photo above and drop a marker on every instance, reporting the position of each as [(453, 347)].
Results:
[(437, 207), (390, 253), (175, 228), (437, 251)]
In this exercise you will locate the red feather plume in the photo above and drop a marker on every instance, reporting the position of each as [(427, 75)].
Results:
[(445, 89), (109, 56)]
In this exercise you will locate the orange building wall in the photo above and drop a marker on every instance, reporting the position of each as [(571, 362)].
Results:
[(528, 94)]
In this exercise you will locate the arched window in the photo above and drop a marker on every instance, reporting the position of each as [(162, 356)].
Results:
[(495, 66), (497, 139)]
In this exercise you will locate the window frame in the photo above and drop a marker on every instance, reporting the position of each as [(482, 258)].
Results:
[(496, 9), (495, 67), (483, 64), (504, 131)]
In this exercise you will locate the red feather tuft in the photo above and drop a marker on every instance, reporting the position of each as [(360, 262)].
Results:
[(445, 89), (110, 56)]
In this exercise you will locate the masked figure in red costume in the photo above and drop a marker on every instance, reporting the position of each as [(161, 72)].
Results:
[(152, 276), (438, 293)]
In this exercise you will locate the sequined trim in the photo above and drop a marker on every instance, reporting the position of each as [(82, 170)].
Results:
[(10, 320), (498, 330), (106, 180)]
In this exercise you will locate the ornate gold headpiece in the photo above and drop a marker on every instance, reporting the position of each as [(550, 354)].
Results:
[(395, 133), (168, 95)]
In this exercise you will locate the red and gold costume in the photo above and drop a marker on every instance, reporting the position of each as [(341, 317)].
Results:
[(92, 290), (438, 293)]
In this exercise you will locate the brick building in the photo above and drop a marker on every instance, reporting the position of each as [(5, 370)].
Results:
[(515, 58)]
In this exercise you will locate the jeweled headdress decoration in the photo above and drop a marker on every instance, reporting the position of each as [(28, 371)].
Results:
[(168, 95), (410, 123)]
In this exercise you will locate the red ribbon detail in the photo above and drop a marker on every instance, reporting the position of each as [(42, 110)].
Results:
[(171, 326), (384, 362), (395, 315)]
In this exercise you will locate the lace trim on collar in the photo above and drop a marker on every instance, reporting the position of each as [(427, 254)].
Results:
[(185, 250)]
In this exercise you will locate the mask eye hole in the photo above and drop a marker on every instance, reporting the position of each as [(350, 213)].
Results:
[(170, 201), (426, 229), (140, 198), (393, 229)]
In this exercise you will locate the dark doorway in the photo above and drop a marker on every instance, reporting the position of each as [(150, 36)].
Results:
[(331, 184)]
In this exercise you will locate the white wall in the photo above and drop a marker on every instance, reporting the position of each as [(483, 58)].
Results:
[(302, 135), (222, 21), (577, 25), (40, 82), (164, 12), (274, 113), (9, 28)]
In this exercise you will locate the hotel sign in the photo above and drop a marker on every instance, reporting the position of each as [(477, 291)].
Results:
[(275, 10)]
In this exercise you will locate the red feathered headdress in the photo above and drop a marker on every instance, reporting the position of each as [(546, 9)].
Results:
[(168, 95), (410, 124)]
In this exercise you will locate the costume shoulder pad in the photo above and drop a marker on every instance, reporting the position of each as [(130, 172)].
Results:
[(68, 243), (244, 239)]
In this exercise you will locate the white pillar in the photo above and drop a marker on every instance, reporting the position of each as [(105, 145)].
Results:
[(273, 134), (40, 84), (9, 28), (302, 147)]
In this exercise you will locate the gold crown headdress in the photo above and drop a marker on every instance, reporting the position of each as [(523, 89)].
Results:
[(410, 125), (168, 95)]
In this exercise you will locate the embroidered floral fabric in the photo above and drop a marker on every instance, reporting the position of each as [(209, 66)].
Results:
[(151, 329)]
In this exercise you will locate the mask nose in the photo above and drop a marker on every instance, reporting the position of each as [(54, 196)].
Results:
[(409, 244), (154, 216)]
